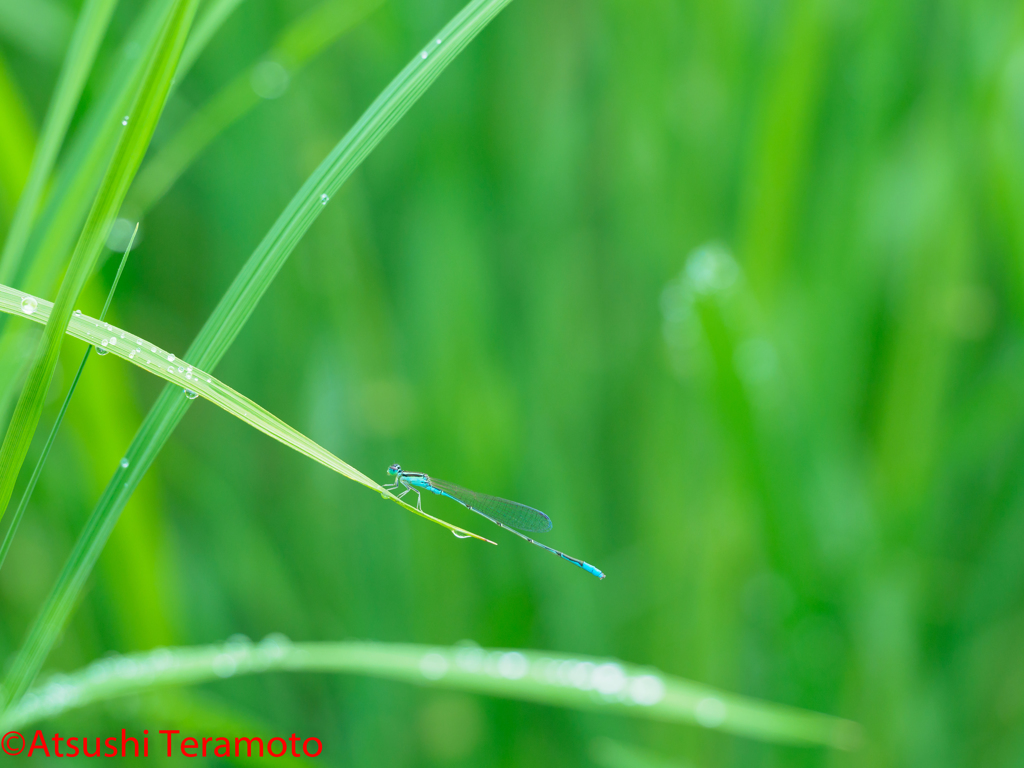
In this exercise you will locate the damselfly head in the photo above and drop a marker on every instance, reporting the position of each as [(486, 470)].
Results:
[(394, 469)]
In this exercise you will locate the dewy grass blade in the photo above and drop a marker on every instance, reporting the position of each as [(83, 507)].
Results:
[(89, 32), (230, 315), (29, 305), (578, 682), (124, 164), (299, 43), (195, 382)]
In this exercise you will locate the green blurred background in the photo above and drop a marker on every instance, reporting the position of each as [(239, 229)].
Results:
[(733, 291)]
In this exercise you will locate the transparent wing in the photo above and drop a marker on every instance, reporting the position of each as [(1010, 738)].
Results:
[(510, 513)]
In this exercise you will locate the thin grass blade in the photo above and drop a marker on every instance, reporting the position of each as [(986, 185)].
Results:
[(578, 682)]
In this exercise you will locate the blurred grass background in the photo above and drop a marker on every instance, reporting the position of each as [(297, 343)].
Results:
[(732, 291)]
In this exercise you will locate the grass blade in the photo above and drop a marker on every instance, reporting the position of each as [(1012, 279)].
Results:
[(89, 32), (194, 382), (126, 160), (229, 317), (300, 42), (577, 682), (28, 306)]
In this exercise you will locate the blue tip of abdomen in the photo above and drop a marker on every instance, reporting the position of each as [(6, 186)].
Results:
[(585, 566), (591, 569)]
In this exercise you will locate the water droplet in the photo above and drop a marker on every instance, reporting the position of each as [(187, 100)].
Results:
[(323, 199), (609, 679), (124, 463), (470, 657), (190, 394), (113, 341), (180, 369), (273, 647), (170, 369), (646, 690), (439, 41), (423, 55), (28, 305), (581, 675), (170, 358), (460, 534), (77, 313), (161, 659), (433, 666), (269, 79), (710, 712), (124, 120), (125, 668), (513, 665), (101, 350), (224, 665), (711, 269)]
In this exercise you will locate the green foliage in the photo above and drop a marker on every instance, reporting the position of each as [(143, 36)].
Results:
[(228, 318), (732, 291)]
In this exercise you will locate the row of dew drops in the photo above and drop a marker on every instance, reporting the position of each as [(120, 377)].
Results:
[(607, 682), (102, 348), (62, 692)]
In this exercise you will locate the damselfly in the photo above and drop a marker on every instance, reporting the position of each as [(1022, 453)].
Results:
[(506, 514)]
